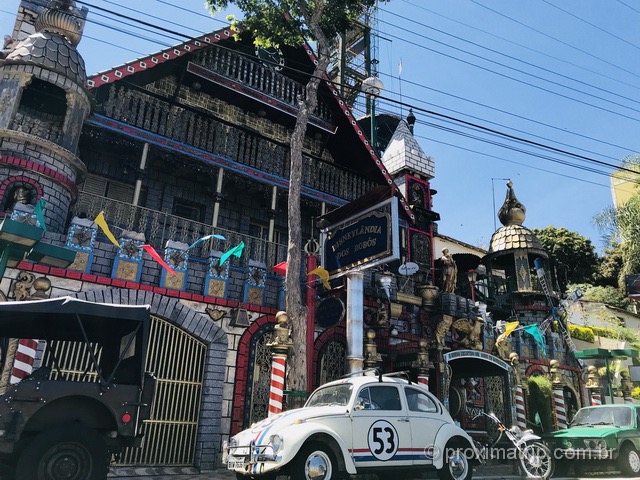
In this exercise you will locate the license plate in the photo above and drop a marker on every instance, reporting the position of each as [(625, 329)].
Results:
[(234, 463)]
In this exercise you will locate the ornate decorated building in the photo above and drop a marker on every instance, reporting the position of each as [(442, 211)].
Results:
[(186, 151)]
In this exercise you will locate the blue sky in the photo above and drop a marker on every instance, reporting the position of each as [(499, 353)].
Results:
[(562, 73)]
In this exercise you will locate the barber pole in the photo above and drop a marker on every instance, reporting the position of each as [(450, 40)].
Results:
[(559, 408), (423, 380), (276, 390), (595, 398), (23, 361), (521, 418)]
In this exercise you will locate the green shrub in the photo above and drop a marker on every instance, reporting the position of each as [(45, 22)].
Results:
[(586, 334), (539, 400)]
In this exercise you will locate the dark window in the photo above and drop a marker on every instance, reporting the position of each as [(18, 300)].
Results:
[(186, 209), (380, 398)]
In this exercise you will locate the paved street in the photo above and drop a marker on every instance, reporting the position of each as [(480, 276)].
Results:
[(495, 472)]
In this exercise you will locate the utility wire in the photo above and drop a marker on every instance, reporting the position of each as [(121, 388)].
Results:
[(522, 81), (591, 24), (521, 45), (510, 57), (179, 34), (556, 39), (447, 117)]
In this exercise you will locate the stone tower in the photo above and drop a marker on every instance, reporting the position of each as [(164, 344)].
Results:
[(43, 105)]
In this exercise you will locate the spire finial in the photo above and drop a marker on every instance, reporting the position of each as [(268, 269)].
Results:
[(512, 211)]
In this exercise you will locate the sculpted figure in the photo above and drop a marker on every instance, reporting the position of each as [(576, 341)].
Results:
[(449, 271)]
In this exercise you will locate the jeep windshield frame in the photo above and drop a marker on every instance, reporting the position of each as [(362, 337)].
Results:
[(117, 328)]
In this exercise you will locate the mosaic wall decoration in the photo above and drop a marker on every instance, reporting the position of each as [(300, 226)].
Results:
[(81, 238), (128, 262), (176, 255), (254, 288), (217, 278)]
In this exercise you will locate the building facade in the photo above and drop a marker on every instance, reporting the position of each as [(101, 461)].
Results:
[(186, 151)]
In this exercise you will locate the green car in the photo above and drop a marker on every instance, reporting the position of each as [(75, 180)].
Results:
[(601, 436)]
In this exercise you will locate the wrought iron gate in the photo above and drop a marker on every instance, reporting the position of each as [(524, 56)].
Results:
[(259, 376), (177, 360), (332, 361)]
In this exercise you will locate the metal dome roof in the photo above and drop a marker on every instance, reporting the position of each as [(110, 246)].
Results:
[(514, 237), (50, 51)]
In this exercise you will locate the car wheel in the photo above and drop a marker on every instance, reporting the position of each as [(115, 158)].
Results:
[(69, 452), (314, 461), (456, 464), (629, 461)]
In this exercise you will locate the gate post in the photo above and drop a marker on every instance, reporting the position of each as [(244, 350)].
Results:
[(279, 348), (559, 407), (593, 386), (423, 364), (516, 370)]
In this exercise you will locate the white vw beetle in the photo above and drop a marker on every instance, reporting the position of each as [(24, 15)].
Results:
[(355, 425)]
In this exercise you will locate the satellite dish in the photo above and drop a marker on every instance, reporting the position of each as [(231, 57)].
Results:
[(408, 268)]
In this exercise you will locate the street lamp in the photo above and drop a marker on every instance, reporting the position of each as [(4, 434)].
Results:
[(472, 276)]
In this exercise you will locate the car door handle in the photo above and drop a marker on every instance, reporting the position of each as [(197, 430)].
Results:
[(406, 419)]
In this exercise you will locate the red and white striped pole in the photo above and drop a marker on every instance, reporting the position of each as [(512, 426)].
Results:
[(595, 397), (423, 379), (276, 388), (23, 361), (521, 416), (559, 408)]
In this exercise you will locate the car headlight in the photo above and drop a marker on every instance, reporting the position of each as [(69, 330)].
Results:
[(595, 444), (276, 443)]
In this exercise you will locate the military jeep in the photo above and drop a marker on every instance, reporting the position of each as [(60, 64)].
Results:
[(88, 394)]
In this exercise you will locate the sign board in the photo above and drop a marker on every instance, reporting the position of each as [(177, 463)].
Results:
[(362, 241), (408, 269), (634, 373), (329, 312)]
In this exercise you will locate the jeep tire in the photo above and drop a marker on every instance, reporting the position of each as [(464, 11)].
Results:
[(65, 452)]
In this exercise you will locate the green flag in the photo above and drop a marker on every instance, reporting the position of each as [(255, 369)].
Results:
[(39, 212), (534, 331), (236, 251)]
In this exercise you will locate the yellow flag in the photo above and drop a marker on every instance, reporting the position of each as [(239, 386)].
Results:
[(324, 276), (510, 327), (102, 223)]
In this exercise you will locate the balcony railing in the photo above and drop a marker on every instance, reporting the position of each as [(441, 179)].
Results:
[(203, 131), (255, 75), (158, 227)]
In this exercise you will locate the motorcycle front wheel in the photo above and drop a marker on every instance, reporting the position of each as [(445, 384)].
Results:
[(536, 461)]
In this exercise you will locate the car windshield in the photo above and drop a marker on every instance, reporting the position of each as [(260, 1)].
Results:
[(615, 416), (334, 395)]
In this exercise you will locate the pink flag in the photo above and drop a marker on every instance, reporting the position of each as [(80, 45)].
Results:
[(151, 251)]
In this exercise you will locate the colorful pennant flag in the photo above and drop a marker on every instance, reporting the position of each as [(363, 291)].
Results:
[(39, 211), (280, 268), (151, 251), (236, 251), (203, 239), (324, 276), (102, 223), (509, 328), (534, 331)]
